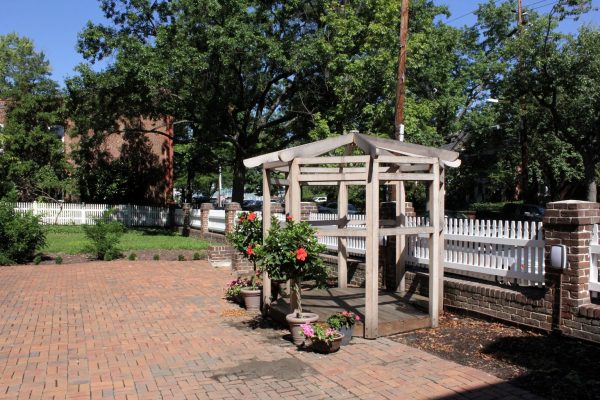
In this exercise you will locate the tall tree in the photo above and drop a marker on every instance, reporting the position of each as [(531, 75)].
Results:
[(242, 72), (32, 160)]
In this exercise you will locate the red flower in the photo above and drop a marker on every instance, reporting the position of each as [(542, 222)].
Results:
[(289, 218), (249, 250), (301, 254), (251, 217)]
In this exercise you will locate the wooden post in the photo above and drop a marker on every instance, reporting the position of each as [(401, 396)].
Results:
[(372, 250), (342, 249), (442, 218), (400, 239), (295, 198), (266, 216), (434, 247)]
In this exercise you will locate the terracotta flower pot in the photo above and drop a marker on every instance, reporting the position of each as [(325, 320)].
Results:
[(295, 321), (252, 298), (322, 346)]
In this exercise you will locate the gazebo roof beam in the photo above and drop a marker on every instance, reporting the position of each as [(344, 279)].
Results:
[(315, 148), (406, 148), (333, 160), (339, 177)]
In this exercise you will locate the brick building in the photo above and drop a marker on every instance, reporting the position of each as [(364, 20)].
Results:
[(153, 142)]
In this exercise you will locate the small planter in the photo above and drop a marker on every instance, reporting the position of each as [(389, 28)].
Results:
[(295, 322), (325, 347), (251, 298)]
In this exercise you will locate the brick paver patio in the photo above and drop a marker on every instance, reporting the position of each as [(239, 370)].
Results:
[(161, 330)]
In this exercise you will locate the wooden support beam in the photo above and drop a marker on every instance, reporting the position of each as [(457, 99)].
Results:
[(335, 177), (342, 241), (441, 251), (406, 176), (335, 183), (275, 165), (372, 254), (342, 232), (435, 263), (398, 160), (400, 239), (406, 230), (367, 146), (333, 160), (295, 212), (315, 148), (266, 214)]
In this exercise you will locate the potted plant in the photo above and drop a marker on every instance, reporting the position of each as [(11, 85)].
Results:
[(324, 338), (293, 252), (246, 236), (233, 290), (343, 321)]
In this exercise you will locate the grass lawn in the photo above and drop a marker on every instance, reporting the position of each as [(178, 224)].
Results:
[(72, 240)]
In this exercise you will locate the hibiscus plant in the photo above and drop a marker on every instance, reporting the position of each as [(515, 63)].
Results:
[(293, 252), (246, 236)]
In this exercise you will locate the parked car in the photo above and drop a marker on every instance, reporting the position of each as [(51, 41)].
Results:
[(331, 208), (320, 199)]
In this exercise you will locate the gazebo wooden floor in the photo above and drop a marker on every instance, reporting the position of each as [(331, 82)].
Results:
[(398, 313)]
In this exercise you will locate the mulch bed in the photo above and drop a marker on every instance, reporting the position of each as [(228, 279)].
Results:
[(146, 255), (548, 365)]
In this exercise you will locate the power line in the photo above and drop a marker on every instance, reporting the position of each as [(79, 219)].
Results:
[(496, 2)]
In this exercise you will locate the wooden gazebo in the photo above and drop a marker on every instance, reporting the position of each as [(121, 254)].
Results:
[(385, 162)]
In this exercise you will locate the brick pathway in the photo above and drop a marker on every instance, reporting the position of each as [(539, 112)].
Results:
[(161, 330)]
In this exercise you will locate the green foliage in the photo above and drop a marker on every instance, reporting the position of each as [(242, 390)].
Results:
[(104, 235), (58, 260), (293, 252), (132, 257), (180, 257), (32, 162), (196, 256), (37, 259), (21, 235), (156, 257), (246, 237), (343, 319), (234, 288)]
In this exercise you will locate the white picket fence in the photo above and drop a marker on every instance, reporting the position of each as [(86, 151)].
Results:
[(594, 256), (84, 214), (510, 250), (506, 250)]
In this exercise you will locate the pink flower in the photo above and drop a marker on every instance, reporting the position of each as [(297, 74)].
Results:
[(289, 218), (301, 254), (251, 217), (357, 318), (308, 330), (249, 250), (330, 332), (345, 313)]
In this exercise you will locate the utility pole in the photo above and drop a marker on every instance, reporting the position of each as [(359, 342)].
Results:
[(400, 84)]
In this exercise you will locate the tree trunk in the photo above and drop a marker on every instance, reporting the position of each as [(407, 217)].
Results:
[(590, 179), (239, 178)]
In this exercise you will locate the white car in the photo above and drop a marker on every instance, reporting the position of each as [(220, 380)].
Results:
[(320, 199)]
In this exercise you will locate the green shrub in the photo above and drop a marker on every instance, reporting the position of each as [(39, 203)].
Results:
[(37, 260), (181, 257), (104, 236), (21, 235), (156, 257), (58, 260), (132, 257), (196, 256)]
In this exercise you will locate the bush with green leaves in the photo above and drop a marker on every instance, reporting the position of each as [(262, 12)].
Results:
[(58, 260), (21, 235), (104, 235)]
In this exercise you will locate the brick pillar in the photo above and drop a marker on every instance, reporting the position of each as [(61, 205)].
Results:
[(204, 213), (307, 207), (231, 210), (570, 223), (187, 210)]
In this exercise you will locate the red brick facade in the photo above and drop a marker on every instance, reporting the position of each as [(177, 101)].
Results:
[(160, 140)]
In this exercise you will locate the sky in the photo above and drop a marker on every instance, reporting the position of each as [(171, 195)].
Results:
[(53, 25)]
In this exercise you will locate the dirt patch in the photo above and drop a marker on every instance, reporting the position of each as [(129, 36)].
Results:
[(547, 365), (143, 255)]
